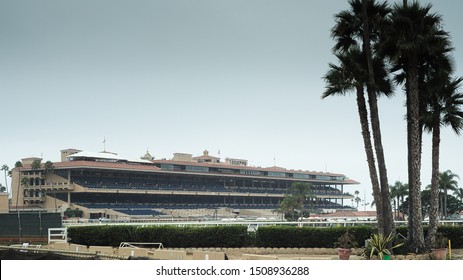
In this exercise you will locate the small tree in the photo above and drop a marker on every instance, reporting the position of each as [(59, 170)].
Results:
[(295, 198), (73, 213), (6, 170)]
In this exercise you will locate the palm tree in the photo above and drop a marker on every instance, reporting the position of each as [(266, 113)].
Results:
[(18, 165), (357, 198), (295, 198), (447, 182), (36, 164), (370, 29), (349, 76), (360, 26), (458, 193), (5, 169), (409, 40), (398, 191), (301, 192), (444, 107), (50, 168), (287, 206)]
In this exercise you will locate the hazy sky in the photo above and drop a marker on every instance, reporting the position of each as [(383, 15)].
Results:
[(240, 77)]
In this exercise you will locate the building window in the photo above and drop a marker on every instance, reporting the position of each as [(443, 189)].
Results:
[(276, 174)]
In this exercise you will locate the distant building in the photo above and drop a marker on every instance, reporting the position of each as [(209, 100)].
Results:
[(106, 185), (206, 158), (235, 161)]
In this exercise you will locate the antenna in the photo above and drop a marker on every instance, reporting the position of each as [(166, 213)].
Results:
[(104, 144)]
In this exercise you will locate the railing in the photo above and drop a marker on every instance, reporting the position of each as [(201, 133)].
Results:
[(137, 245), (59, 186), (256, 222), (57, 235)]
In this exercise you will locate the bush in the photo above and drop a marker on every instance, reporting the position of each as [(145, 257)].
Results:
[(307, 237), (454, 234), (102, 235), (237, 236), (169, 236)]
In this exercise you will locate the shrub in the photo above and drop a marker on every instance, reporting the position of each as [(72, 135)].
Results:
[(307, 237), (169, 236)]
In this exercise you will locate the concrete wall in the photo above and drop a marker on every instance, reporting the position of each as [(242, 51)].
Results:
[(4, 206)]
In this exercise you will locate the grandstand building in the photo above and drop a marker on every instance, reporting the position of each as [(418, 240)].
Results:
[(105, 185)]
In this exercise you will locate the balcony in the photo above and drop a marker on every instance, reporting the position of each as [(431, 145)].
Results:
[(61, 186)]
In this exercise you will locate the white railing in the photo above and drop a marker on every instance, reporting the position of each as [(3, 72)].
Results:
[(137, 245), (57, 235), (144, 222)]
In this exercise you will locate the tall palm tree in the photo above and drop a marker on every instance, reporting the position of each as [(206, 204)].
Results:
[(369, 31), (18, 165), (50, 168), (5, 169), (36, 164), (447, 182), (458, 193), (296, 196), (357, 198), (359, 27), (287, 206), (408, 40), (444, 107), (349, 76), (301, 192), (398, 192)]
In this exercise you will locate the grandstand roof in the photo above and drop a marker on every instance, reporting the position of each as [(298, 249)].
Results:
[(100, 155)]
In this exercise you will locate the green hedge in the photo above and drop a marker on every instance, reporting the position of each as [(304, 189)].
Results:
[(453, 233), (169, 236), (172, 236), (102, 235), (307, 237), (235, 236)]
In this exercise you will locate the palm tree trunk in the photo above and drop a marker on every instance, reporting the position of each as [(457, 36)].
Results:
[(416, 238), (398, 205), (445, 203), (363, 116), (388, 225), (434, 207), (17, 208), (6, 182)]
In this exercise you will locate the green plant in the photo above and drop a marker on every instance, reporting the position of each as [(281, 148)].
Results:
[(381, 245), (440, 241), (346, 241)]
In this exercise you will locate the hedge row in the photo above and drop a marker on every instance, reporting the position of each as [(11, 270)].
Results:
[(235, 236), (308, 237), (169, 236), (453, 233)]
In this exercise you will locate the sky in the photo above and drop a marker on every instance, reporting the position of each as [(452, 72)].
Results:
[(241, 79)]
